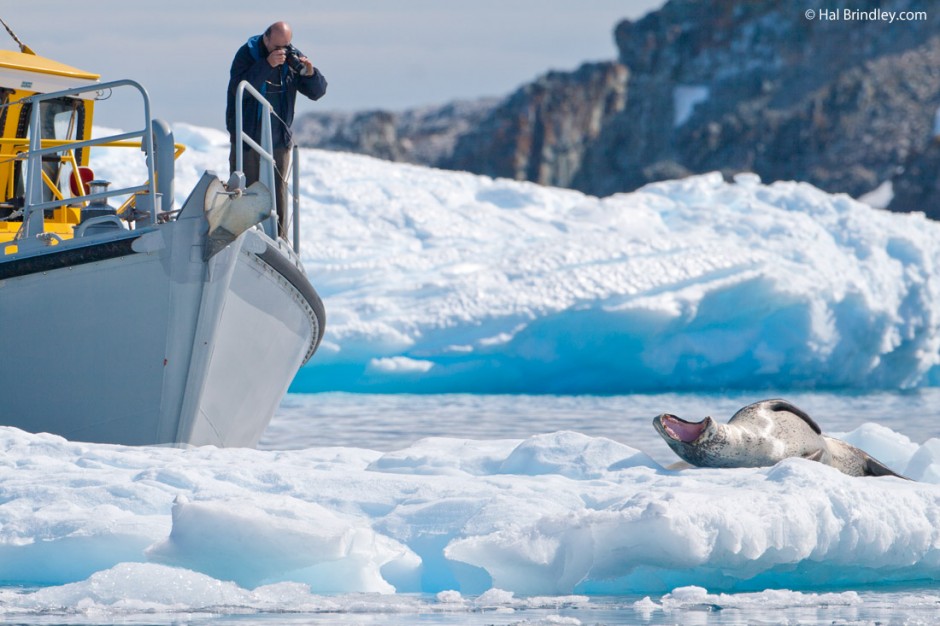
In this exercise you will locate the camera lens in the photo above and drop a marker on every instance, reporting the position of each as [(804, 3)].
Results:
[(293, 59)]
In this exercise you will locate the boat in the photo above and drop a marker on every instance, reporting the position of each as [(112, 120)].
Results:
[(128, 320)]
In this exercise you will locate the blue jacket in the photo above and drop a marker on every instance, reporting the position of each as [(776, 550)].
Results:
[(251, 64)]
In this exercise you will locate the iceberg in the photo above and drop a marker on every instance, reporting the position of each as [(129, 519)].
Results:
[(438, 281)]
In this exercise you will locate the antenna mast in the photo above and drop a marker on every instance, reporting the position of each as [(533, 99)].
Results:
[(23, 47)]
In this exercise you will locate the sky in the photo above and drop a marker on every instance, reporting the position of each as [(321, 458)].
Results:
[(375, 54)]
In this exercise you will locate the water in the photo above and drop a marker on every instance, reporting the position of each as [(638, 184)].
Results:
[(914, 607), (389, 422)]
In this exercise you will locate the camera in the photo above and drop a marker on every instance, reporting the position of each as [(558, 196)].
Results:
[(293, 59)]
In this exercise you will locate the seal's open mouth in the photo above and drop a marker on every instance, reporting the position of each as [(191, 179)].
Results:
[(679, 429)]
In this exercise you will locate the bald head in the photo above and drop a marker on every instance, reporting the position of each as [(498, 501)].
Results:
[(277, 35)]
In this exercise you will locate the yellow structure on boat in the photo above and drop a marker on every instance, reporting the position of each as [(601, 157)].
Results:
[(64, 121), (23, 74)]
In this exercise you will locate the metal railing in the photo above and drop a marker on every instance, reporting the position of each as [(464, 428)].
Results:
[(68, 158), (266, 170), (34, 207), (295, 218), (145, 195)]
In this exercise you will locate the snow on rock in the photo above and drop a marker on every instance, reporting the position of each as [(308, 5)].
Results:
[(684, 100), (555, 514)]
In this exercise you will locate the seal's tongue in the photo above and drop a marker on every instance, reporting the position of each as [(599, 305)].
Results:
[(685, 432)]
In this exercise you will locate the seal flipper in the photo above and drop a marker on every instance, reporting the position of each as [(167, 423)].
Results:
[(815, 455), (874, 467), (821, 454)]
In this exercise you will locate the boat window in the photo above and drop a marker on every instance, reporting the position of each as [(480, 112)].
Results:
[(61, 118), (6, 209), (4, 99)]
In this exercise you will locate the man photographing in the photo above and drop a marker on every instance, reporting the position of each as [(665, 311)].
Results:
[(278, 70)]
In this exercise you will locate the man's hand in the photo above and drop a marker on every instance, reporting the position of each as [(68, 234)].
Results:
[(308, 66), (278, 57)]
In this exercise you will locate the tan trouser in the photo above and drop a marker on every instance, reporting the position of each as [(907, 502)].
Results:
[(252, 165)]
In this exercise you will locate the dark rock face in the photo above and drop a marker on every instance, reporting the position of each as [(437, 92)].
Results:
[(757, 86), (541, 132), (845, 103), (426, 135), (916, 187)]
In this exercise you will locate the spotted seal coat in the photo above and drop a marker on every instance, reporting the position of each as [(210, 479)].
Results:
[(762, 434)]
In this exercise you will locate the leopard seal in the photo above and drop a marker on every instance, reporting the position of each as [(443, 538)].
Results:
[(762, 434)]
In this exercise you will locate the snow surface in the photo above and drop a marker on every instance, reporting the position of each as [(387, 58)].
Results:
[(879, 197), (120, 529), (684, 100), (437, 281)]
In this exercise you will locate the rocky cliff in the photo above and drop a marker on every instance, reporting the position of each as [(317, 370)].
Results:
[(425, 135), (844, 100), (542, 131), (759, 86)]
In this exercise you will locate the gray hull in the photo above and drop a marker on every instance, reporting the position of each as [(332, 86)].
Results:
[(132, 337)]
